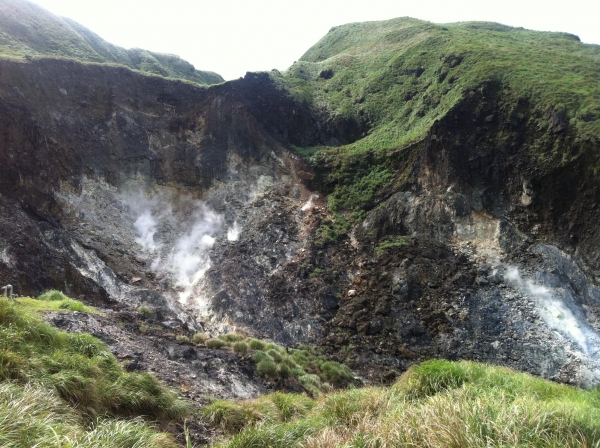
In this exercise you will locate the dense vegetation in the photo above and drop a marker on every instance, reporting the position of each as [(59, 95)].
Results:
[(29, 31), (435, 404), (61, 389)]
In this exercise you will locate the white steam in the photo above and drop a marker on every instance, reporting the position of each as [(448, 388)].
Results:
[(189, 259), (553, 310), (146, 228), (233, 234), (186, 230), (308, 205)]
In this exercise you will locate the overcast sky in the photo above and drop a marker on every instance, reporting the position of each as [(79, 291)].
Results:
[(232, 37)]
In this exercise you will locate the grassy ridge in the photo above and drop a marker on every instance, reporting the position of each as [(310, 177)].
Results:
[(72, 386), (398, 77), (403, 74), (27, 30), (54, 300), (436, 404)]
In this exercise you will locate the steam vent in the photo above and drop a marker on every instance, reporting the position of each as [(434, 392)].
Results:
[(407, 199)]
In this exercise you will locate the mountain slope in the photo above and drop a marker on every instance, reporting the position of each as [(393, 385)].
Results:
[(464, 176), (397, 77), (447, 205), (27, 30)]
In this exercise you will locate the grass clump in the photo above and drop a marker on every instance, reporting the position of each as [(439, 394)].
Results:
[(256, 344), (230, 338), (76, 379), (183, 338), (436, 404), (275, 362), (267, 368), (145, 310), (72, 305), (240, 347), (390, 244), (53, 295), (232, 417), (199, 338), (311, 370), (215, 344), (31, 415)]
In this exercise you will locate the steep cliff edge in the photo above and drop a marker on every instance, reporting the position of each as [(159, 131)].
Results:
[(398, 194)]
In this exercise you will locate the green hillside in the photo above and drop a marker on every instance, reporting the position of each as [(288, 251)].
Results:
[(397, 78), (403, 74), (61, 389), (27, 30)]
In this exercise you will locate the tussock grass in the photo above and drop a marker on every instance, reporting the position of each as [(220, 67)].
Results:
[(200, 338), (437, 404), (240, 347), (64, 382), (232, 417), (314, 372), (32, 415), (215, 343)]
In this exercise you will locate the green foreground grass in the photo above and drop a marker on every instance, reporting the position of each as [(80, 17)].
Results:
[(68, 390), (435, 404)]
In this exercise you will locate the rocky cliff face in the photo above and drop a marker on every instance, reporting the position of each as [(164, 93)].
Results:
[(464, 260), (138, 190)]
